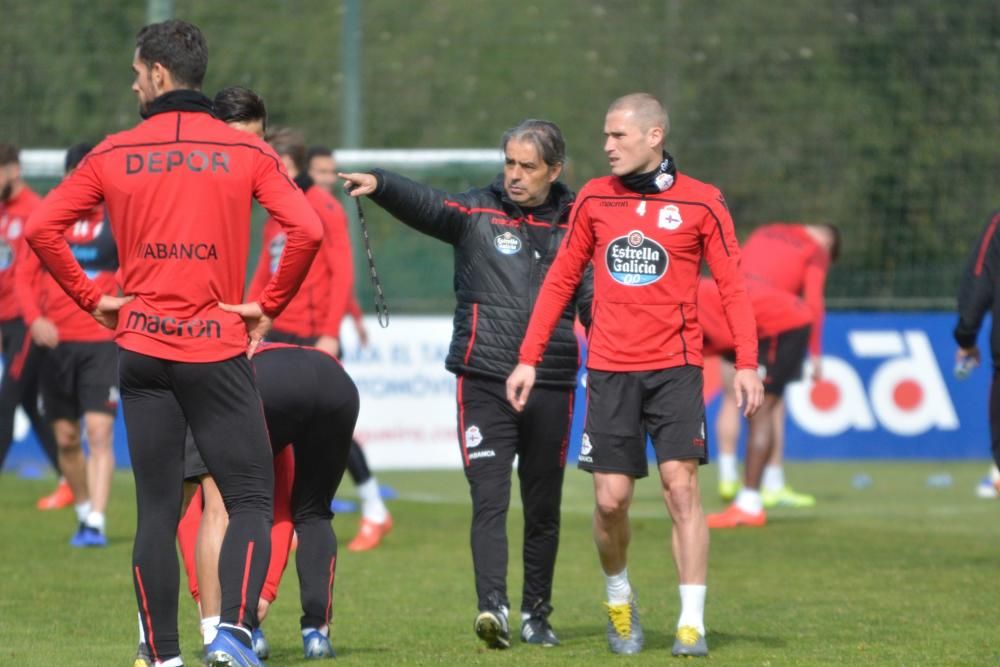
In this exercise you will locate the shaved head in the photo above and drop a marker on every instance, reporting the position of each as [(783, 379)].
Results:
[(645, 109)]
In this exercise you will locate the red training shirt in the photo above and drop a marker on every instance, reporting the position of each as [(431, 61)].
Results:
[(322, 300), (647, 252), (14, 216), (786, 257), (40, 295), (178, 188)]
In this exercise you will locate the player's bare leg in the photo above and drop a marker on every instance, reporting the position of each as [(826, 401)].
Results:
[(73, 465), (727, 433), (689, 540), (748, 508), (612, 533), (774, 489), (214, 520), (100, 465)]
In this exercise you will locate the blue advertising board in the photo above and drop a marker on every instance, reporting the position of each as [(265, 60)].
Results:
[(887, 391)]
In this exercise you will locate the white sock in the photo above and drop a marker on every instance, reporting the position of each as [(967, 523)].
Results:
[(173, 662), (774, 478), (749, 501), (693, 606), (619, 589), (372, 507), (728, 469), (994, 473), (95, 520), (82, 510), (142, 632), (209, 628), (325, 631)]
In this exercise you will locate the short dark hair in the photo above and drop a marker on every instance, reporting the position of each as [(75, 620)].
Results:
[(545, 135), (317, 151), (9, 154), (177, 45), (75, 154), (236, 104), (836, 243), (286, 141)]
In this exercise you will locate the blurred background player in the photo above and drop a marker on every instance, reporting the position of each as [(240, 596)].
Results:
[(376, 521), (311, 406), (644, 364), (785, 267), (978, 294), (505, 236), (761, 269), (21, 357), (79, 375)]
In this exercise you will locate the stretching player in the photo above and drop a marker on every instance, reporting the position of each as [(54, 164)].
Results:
[(786, 267), (311, 406), (376, 522), (79, 375), (179, 188), (21, 357), (646, 228)]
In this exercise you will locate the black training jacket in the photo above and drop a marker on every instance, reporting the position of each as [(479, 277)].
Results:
[(978, 289), (498, 272)]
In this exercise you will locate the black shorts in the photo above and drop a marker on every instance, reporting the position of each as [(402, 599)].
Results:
[(622, 408), (78, 378), (780, 358)]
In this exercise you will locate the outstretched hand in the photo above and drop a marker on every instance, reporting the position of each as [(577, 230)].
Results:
[(258, 324), (358, 184), (107, 309), (519, 385), (749, 391)]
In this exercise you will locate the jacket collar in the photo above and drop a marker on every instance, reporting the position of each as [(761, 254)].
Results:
[(560, 198), (178, 100), (304, 181)]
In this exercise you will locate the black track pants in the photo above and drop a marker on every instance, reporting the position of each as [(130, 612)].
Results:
[(491, 433), (220, 403)]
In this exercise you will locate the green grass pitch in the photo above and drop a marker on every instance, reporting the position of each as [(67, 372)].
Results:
[(896, 574)]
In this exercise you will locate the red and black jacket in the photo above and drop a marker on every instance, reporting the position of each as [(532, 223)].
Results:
[(501, 258), (178, 189), (978, 290)]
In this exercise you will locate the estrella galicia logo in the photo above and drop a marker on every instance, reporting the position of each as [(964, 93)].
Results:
[(635, 260), (507, 244)]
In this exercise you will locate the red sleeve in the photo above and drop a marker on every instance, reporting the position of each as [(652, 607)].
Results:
[(262, 274), (72, 199), (722, 252), (341, 262), (813, 286), (303, 232), (560, 283), (282, 528), (28, 274), (187, 540), (354, 308)]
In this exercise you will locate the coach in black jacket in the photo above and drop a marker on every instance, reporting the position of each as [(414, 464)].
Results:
[(979, 292), (505, 236)]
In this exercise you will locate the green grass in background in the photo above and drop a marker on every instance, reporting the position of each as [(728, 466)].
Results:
[(899, 573)]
